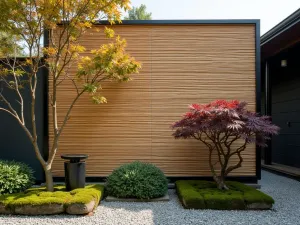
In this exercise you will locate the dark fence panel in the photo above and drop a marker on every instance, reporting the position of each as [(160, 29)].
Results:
[(14, 144)]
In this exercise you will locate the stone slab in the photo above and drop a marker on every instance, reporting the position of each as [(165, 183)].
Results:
[(259, 206), (4, 209), (44, 209), (80, 208)]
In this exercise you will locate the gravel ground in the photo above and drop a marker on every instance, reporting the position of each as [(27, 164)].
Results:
[(286, 211)]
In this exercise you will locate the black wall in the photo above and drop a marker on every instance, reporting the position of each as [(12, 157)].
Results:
[(286, 106), (15, 145)]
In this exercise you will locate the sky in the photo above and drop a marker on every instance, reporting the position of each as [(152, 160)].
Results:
[(270, 12)]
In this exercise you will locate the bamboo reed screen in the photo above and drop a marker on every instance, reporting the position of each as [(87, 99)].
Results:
[(182, 64)]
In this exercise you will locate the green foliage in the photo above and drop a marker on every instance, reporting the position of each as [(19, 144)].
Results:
[(138, 13), (39, 196), (10, 46), (15, 177), (205, 195), (137, 180), (90, 88)]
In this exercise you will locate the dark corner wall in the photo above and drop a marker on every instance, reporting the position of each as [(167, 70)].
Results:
[(285, 105), (14, 144)]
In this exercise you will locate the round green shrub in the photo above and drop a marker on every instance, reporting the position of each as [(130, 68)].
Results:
[(15, 177), (137, 180)]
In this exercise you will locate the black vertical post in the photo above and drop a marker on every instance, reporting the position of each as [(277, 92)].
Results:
[(258, 93), (46, 91), (268, 112)]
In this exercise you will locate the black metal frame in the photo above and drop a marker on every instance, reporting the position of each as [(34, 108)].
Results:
[(177, 22), (268, 112), (258, 93), (255, 22)]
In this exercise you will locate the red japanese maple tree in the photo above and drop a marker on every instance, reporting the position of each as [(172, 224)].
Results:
[(225, 127)]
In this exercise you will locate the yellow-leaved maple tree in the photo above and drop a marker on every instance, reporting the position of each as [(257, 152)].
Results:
[(62, 22)]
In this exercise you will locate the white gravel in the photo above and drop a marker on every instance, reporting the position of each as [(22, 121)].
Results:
[(286, 193)]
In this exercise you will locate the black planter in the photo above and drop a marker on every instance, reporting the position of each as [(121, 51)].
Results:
[(74, 171)]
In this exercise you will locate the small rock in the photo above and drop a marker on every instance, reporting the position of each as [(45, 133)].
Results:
[(80, 208), (90, 214), (39, 209)]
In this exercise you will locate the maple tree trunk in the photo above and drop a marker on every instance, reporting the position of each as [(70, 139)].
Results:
[(220, 180), (222, 177), (221, 183), (49, 179)]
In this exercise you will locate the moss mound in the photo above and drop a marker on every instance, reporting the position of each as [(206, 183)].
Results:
[(204, 195), (39, 196)]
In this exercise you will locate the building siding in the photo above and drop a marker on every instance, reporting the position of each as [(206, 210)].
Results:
[(182, 64)]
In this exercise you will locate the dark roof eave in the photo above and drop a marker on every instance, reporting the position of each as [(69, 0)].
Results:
[(281, 27)]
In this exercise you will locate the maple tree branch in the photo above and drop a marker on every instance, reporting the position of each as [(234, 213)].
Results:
[(13, 111), (12, 114), (57, 135)]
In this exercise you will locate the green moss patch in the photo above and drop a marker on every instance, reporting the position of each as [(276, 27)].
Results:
[(195, 194), (87, 194), (40, 197)]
